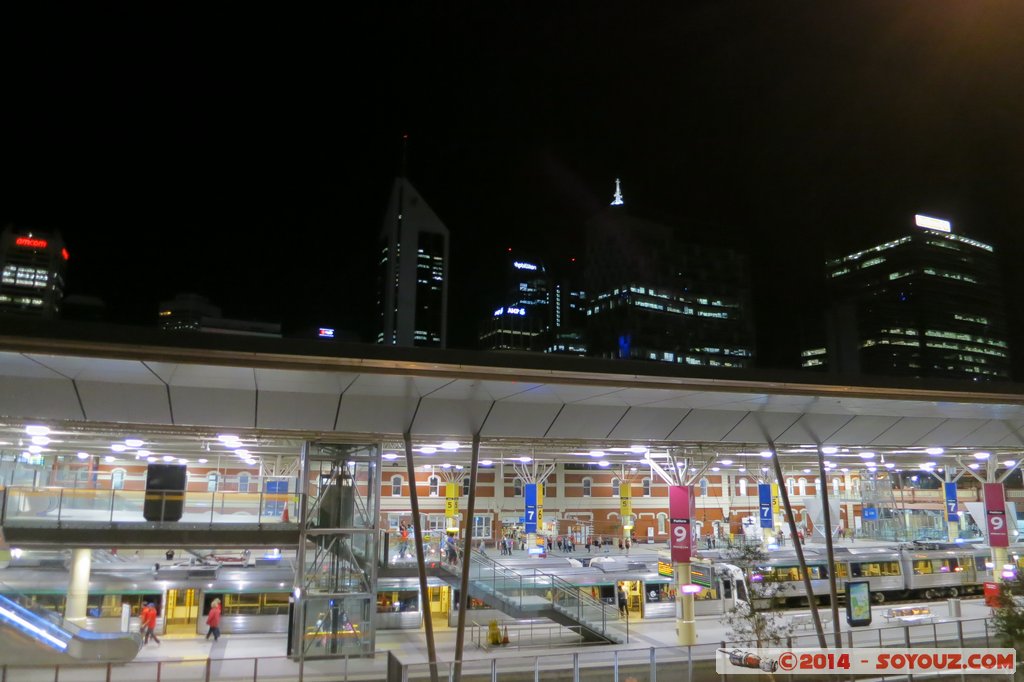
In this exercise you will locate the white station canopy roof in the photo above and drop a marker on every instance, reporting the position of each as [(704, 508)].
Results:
[(385, 392)]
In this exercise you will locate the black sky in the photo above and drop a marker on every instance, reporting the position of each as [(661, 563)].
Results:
[(247, 153)]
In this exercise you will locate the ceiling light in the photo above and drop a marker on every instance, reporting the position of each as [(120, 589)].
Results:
[(764, 468), (35, 449), (134, 442), (935, 451), (83, 455), (603, 463), (168, 458), (486, 462), (242, 452), (973, 466), (981, 455), (844, 470), (37, 430), (428, 450), (182, 460), (525, 458), (390, 456), (202, 460), (446, 465), (829, 450), (41, 440), (109, 458), (726, 462), (458, 467), (807, 471), (227, 438), (144, 453), (632, 468), (638, 449), (743, 468), (450, 445), (151, 459), (716, 468), (888, 465), (766, 453), (1009, 463), (867, 455), (250, 462), (118, 447), (597, 453)]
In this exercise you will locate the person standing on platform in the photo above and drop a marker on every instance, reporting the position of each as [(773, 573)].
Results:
[(213, 620)]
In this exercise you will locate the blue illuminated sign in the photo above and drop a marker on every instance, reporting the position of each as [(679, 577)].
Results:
[(870, 514), (764, 499), (325, 333), (530, 492), (951, 505)]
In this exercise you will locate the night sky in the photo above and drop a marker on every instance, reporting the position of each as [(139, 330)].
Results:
[(247, 153)]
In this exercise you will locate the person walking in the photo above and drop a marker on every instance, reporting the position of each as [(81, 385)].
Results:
[(213, 620), (147, 620)]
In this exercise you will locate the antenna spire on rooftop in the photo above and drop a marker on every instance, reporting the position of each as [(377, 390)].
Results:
[(617, 200)]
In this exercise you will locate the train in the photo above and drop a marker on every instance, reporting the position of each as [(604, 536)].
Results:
[(913, 570), (255, 598)]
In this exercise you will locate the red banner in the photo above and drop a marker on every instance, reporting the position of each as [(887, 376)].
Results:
[(995, 514), (681, 511)]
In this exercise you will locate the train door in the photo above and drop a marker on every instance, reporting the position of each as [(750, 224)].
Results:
[(634, 592), (439, 600), (182, 611)]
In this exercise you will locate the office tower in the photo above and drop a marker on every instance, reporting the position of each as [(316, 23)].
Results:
[(413, 272), (521, 317), (926, 304), (32, 265), (653, 296), (568, 309)]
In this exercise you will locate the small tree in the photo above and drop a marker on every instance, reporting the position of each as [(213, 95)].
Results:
[(1008, 619), (761, 619)]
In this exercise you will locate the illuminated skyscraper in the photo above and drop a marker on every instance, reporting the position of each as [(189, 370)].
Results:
[(413, 272), (927, 304), (33, 264), (521, 317)]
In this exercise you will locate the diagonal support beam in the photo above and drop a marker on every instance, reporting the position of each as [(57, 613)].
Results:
[(417, 527)]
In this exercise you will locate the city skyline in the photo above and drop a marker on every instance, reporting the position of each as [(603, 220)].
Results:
[(172, 155)]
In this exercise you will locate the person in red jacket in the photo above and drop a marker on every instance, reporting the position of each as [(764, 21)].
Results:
[(213, 620), (147, 623)]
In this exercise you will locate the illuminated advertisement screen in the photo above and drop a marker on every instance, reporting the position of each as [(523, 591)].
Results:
[(858, 603)]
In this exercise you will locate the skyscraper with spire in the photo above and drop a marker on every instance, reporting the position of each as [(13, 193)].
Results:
[(412, 299)]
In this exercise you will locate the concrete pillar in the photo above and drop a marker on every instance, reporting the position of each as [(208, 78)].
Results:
[(999, 559), (686, 626), (78, 589)]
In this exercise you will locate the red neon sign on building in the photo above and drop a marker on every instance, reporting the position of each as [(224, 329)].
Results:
[(30, 243)]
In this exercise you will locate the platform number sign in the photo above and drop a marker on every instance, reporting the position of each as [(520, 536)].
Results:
[(530, 493), (952, 511), (681, 508), (764, 498), (995, 514)]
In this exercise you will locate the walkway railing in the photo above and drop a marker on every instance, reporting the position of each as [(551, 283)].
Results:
[(58, 507)]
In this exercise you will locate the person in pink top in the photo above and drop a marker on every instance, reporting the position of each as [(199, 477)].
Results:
[(213, 620)]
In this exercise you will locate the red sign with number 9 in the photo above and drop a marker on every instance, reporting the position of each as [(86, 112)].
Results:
[(681, 511), (995, 513)]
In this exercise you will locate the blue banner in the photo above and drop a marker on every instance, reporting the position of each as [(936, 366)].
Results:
[(870, 514), (764, 498), (951, 507), (530, 491)]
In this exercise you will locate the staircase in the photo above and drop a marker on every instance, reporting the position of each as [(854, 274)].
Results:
[(533, 593)]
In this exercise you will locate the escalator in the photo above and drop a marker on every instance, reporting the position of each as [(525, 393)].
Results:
[(44, 639)]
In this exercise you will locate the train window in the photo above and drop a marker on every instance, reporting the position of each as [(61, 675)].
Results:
[(944, 565), (922, 567), (403, 601), (727, 589), (875, 569), (842, 571), (657, 593), (241, 603)]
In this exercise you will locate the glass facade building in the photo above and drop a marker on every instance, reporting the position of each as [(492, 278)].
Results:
[(32, 266), (927, 304)]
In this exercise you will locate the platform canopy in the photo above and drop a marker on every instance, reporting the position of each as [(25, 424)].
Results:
[(356, 391)]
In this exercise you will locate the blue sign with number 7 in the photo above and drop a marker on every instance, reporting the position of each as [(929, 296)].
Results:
[(764, 499), (951, 507)]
